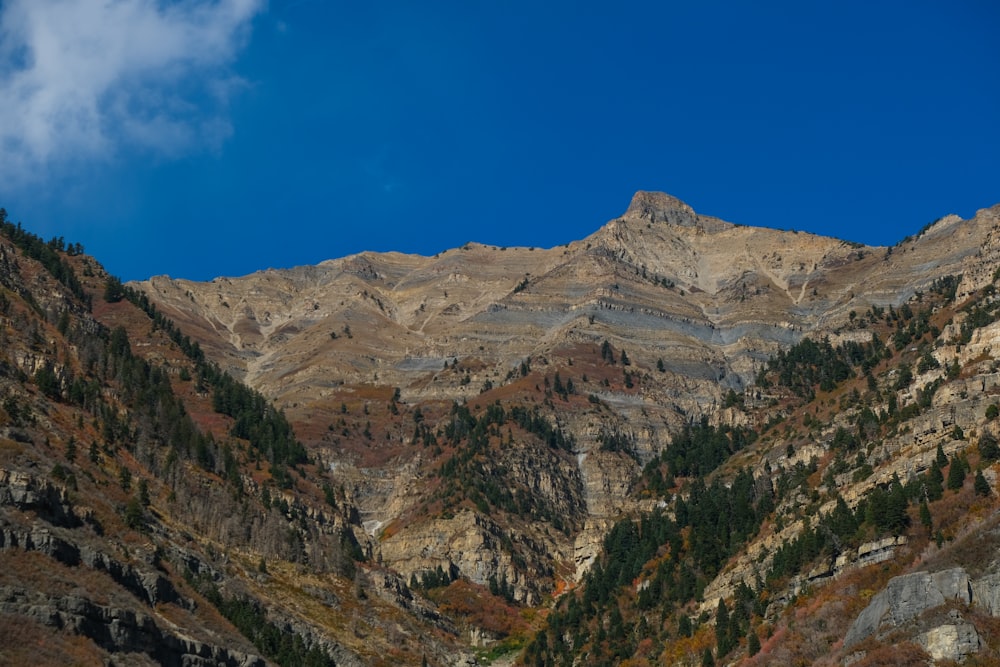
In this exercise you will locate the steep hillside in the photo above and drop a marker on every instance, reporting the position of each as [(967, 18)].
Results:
[(155, 511)]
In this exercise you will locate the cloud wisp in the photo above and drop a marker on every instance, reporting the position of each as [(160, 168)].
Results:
[(84, 79)]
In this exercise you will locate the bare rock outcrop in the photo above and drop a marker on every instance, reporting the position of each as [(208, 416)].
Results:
[(909, 600), (951, 641)]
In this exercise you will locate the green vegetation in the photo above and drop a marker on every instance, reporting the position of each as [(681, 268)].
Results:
[(809, 364), (473, 473), (49, 254), (256, 420), (698, 450), (674, 556)]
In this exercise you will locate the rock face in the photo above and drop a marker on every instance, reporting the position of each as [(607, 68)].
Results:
[(908, 599), (954, 641), (986, 593), (908, 596)]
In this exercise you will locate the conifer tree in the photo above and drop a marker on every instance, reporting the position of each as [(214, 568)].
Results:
[(941, 459), (956, 474), (925, 516), (981, 485), (988, 448), (722, 638)]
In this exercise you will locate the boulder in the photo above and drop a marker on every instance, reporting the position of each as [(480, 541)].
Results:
[(952, 641)]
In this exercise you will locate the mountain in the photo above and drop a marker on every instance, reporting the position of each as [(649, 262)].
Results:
[(676, 440)]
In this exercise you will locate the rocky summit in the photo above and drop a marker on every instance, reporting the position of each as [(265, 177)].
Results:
[(675, 441)]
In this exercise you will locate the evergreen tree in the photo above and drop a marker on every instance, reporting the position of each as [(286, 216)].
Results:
[(684, 628), (114, 291), (753, 644), (941, 459), (607, 353), (956, 474), (134, 515), (934, 482), (925, 516), (981, 485), (125, 478), (988, 448), (722, 637)]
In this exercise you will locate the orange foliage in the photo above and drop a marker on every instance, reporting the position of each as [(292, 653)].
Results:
[(904, 654), (688, 649), (483, 610), (41, 646)]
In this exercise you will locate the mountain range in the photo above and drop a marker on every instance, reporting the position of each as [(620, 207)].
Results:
[(675, 441)]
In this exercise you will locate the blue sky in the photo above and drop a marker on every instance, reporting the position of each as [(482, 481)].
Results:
[(218, 137)]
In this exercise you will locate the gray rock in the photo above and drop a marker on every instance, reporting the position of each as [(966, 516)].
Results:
[(986, 594), (906, 597), (953, 641)]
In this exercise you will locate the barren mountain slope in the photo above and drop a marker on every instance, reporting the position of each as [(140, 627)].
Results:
[(706, 295)]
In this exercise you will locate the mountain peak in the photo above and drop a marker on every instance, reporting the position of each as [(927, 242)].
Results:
[(661, 207)]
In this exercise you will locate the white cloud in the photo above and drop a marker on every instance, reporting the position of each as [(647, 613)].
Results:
[(82, 79)]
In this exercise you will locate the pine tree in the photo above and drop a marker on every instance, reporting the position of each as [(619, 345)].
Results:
[(684, 628), (722, 638), (981, 485), (988, 448), (956, 474), (925, 516), (753, 644), (935, 482), (134, 515), (125, 478)]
